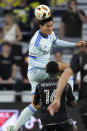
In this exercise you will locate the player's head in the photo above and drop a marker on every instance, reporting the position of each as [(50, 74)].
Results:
[(52, 68), (45, 18)]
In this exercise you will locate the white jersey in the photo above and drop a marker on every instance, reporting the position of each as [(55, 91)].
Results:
[(40, 47)]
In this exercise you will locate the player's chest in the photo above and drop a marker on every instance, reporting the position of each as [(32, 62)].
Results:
[(46, 44)]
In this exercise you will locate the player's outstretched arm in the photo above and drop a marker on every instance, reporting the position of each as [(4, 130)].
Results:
[(63, 43), (60, 87)]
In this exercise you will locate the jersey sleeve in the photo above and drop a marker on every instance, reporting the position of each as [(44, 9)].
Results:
[(36, 96), (62, 43), (74, 64)]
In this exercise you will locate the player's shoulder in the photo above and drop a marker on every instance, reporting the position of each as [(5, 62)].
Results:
[(36, 36), (53, 33), (53, 36)]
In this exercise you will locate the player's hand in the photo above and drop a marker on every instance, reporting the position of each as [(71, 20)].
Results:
[(54, 106), (81, 43), (10, 128)]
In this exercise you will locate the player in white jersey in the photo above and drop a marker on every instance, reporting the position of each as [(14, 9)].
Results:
[(39, 55)]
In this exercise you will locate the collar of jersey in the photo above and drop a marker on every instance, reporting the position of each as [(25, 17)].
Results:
[(42, 35)]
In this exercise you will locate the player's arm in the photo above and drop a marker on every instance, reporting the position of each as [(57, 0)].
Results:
[(63, 43), (36, 100), (63, 82), (55, 105), (74, 68)]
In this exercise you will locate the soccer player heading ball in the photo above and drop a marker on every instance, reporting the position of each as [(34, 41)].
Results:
[(39, 55)]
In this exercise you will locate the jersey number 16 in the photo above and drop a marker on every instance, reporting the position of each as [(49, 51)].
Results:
[(50, 97)]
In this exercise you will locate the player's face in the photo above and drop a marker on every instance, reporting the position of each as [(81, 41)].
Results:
[(47, 28)]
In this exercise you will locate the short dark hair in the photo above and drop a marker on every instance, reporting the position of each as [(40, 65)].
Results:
[(42, 22), (52, 68), (5, 43)]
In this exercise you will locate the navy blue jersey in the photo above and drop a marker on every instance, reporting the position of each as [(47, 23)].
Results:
[(45, 93)]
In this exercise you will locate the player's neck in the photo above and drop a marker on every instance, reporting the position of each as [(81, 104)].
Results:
[(43, 34)]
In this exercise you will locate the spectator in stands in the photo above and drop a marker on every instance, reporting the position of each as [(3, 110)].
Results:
[(54, 3), (7, 66), (12, 31), (1, 39), (22, 15), (1, 12), (1, 36), (82, 50), (71, 25), (58, 56), (34, 3), (9, 3)]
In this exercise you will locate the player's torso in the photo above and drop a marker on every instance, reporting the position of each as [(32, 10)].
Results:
[(47, 93), (40, 47)]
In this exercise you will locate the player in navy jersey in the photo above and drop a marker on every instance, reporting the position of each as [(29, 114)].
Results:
[(44, 94)]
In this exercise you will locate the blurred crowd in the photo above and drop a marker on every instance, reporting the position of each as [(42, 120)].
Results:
[(18, 24)]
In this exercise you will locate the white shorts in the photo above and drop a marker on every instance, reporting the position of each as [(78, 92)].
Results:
[(35, 76)]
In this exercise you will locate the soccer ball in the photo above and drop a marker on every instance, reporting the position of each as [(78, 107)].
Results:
[(42, 12)]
